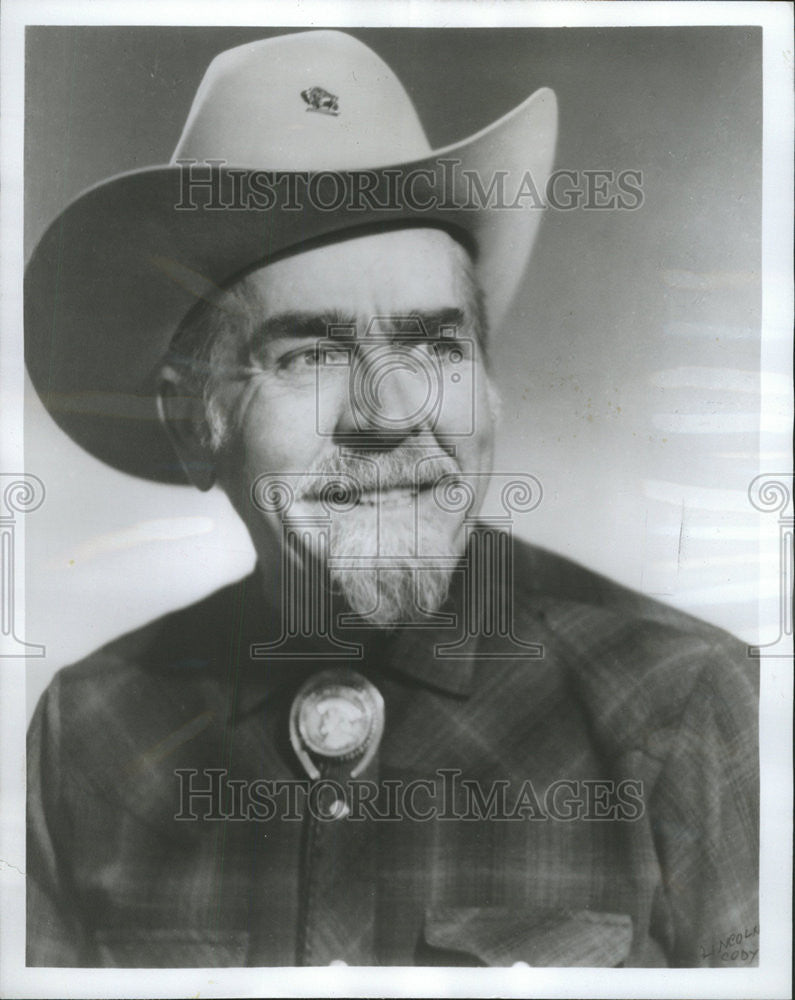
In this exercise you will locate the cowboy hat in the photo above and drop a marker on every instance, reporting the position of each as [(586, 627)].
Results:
[(289, 140)]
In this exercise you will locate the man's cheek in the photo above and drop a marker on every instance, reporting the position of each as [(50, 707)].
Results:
[(282, 439)]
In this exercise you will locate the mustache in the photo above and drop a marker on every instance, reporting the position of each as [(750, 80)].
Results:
[(404, 467)]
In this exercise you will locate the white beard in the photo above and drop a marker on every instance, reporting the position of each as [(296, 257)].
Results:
[(383, 508), (406, 591)]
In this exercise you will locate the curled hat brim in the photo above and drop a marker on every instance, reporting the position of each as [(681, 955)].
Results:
[(114, 275)]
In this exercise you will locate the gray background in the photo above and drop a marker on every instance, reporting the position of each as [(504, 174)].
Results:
[(628, 364)]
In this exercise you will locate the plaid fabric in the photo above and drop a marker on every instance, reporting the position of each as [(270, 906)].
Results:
[(564, 865)]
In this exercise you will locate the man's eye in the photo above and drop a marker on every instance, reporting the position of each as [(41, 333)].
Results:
[(296, 361), (337, 356)]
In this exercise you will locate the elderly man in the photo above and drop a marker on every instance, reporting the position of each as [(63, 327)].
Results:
[(404, 739)]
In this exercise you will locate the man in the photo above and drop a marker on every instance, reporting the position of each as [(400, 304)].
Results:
[(405, 739)]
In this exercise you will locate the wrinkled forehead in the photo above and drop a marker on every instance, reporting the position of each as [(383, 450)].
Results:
[(378, 274)]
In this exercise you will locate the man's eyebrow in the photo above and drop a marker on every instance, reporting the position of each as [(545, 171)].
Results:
[(300, 323), (449, 317), (303, 324), (416, 322)]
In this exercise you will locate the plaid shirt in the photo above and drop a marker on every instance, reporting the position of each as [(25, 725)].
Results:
[(595, 805)]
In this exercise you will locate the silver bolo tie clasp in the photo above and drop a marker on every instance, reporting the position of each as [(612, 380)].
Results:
[(337, 718)]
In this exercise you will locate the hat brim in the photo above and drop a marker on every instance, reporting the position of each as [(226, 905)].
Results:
[(115, 274)]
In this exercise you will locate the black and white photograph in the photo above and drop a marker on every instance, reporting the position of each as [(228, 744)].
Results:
[(397, 499)]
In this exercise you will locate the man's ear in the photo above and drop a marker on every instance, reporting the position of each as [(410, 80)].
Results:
[(183, 418)]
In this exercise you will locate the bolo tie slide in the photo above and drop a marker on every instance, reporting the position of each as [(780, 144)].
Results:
[(336, 725)]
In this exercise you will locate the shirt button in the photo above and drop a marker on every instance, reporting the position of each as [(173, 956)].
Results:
[(338, 961), (338, 809)]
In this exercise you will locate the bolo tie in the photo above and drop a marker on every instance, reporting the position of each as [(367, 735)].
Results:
[(336, 725)]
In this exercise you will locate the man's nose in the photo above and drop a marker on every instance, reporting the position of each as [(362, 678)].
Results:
[(393, 391)]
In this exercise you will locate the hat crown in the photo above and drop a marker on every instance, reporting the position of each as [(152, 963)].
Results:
[(316, 100)]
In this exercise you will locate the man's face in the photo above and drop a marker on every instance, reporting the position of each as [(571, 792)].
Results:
[(364, 369)]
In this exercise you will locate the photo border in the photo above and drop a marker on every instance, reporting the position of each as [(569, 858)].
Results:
[(771, 979)]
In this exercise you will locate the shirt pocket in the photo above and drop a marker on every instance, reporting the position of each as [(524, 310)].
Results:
[(170, 948), (500, 936)]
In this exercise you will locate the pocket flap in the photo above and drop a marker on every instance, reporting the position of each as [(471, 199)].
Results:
[(499, 935), (171, 948)]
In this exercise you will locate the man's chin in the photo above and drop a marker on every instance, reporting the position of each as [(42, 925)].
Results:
[(394, 596), (391, 555), (394, 566)]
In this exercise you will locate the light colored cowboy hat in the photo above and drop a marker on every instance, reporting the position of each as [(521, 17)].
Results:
[(113, 277)]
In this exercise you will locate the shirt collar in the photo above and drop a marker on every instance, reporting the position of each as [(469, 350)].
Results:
[(411, 651)]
